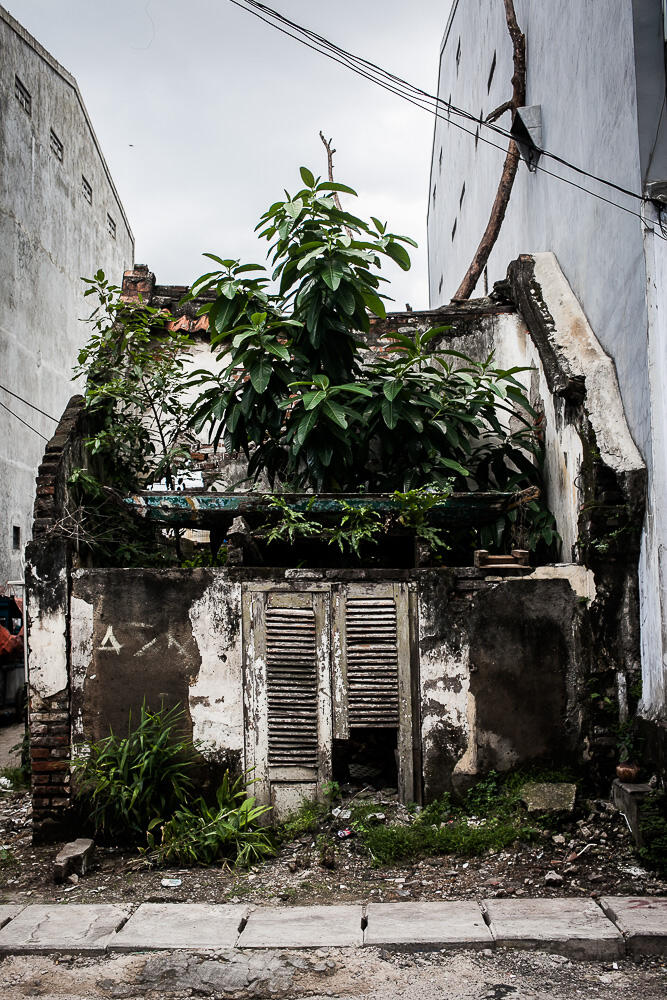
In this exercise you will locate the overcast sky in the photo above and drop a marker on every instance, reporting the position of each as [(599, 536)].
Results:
[(204, 114)]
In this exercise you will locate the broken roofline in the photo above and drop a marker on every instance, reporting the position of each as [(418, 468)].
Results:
[(139, 283)]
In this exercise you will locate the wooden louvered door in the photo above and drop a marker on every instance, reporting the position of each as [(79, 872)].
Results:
[(288, 694), (372, 670)]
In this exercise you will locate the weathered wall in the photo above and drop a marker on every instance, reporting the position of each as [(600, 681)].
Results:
[(598, 247), (502, 672), (49, 237), (158, 635), (615, 129), (500, 665)]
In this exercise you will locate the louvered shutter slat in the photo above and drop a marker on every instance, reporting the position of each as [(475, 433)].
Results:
[(291, 664), (371, 648)]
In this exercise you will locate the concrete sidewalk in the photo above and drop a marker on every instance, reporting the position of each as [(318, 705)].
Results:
[(578, 928)]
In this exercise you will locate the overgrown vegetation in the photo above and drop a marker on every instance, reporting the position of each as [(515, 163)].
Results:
[(199, 834), (136, 790), (126, 782), (653, 826), (310, 405), (313, 410), (490, 815)]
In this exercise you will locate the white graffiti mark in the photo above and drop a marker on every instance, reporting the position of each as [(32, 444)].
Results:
[(147, 646), (110, 642), (173, 642)]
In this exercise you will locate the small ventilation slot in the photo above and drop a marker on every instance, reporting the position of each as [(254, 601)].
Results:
[(291, 665), (372, 661)]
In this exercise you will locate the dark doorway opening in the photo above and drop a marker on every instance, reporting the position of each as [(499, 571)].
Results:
[(369, 757)]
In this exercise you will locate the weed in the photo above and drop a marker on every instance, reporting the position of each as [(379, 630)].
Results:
[(331, 790), (126, 783), (653, 826), (199, 834), (16, 777), (6, 858), (305, 820)]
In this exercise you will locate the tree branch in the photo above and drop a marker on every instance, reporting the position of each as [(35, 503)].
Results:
[(497, 112), (330, 156), (501, 201)]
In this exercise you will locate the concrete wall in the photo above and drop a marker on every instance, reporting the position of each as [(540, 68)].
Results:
[(587, 45), (499, 663), (598, 72), (49, 237)]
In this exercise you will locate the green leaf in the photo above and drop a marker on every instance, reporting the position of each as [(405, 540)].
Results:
[(389, 413), (336, 413), (374, 302), (305, 426), (332, 272), (293, 209), (333, 186), (392, 389), (307, 177), (399, 254), (313, 399), (260, 375)]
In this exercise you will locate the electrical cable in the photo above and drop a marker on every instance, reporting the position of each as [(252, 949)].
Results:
[(426, 101), (29, 426), (27, 403)]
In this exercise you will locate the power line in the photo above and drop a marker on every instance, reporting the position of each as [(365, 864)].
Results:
[(27, 403), (21, 420), (426, 102), (404, 85)]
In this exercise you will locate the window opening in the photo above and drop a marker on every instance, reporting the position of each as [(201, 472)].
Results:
[(434, 190), (56, 146), (16, 537), (440, 159), (463, 194), (440, 284), (486, 281), (111, 227), (87, 189), (458, 56), (492, 71), (454, 230), (23, 95)]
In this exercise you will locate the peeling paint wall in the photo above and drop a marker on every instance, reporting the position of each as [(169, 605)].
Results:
[(499, 664), (165, 636)]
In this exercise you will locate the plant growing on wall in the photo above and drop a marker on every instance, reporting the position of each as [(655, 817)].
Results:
[(311, 407), (134, 371)]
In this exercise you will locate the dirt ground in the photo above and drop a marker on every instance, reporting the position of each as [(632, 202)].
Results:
[(368, 974), (591, 855)]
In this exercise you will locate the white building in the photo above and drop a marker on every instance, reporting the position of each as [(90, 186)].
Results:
[(60, 218), (597, 71)]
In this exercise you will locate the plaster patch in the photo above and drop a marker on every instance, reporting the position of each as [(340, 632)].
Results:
[(215, 697), (577, 342), (47, 653), (81, 640), (580, 578)]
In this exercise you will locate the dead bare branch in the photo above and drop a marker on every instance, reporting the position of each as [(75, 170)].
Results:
[(501, 201), (497, 112), (330, 154)]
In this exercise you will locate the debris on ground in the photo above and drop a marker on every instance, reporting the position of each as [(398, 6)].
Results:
[(591, 851), (549, 796), (74, 858)]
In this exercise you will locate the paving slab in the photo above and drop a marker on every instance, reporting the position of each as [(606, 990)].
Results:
[(64, 927), (303, 927), (574, 927), (8, 911), (181, 925), (413, 926), (642, 920)]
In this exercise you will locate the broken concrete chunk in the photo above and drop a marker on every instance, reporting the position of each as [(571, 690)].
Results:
[(75, 857), (553, 878), (549, 796)]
